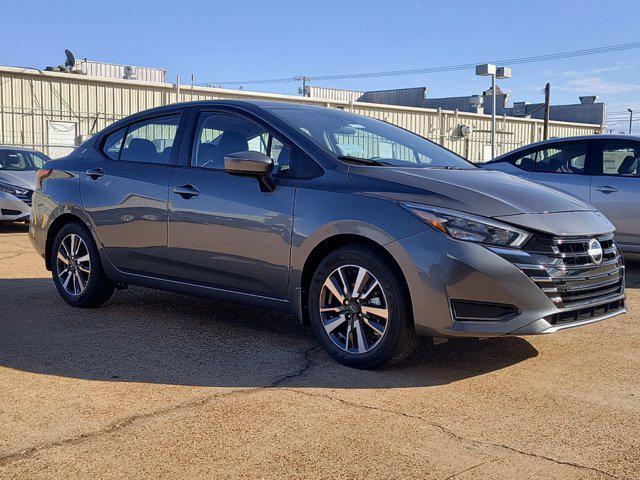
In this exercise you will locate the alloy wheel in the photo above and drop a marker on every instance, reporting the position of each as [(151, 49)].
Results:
[(353, 309), (73, 264)]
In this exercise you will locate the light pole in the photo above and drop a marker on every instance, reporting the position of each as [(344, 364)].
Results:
[(630, 119), (484, 70)]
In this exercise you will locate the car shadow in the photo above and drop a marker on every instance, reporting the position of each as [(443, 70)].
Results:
[(14, 227), (143, 335), (632, 270)]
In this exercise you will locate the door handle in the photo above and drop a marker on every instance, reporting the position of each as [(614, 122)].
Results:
[(186, 191), (94, 173), (607, 189)]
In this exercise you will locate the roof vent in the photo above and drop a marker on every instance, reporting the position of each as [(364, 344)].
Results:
[(129, 73), (589, 100)]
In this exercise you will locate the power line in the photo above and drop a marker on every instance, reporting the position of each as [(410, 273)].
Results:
[(447, 68)]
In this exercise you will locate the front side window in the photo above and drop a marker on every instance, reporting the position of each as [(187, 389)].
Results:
[(524, 161), (150, 141), (563, 158), (219, 134), (21, 161), (359, 139), (621, 158)]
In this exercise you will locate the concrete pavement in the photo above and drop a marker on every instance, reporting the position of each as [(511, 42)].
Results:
[(160, 385)]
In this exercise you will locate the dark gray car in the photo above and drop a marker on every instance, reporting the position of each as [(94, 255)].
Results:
[(603, 170), (370, 233)]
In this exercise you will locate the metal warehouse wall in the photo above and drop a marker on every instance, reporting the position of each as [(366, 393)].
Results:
[(31, 101)]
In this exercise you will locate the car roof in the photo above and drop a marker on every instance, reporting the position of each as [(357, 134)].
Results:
[(22, 149), (246, 104), (255, 107), (553, 141)]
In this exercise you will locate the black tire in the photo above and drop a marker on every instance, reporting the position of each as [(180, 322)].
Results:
[(98, 289), (399, 339)]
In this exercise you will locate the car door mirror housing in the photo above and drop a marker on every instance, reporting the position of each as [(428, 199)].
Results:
[(254, 164)]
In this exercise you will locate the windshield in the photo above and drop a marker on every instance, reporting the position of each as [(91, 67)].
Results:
[(366, 140), (21, 160)]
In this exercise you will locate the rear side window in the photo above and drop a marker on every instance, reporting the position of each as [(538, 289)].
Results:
[(113, 144), (150, 141)]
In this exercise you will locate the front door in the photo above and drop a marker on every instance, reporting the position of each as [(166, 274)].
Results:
[(125, 192), (560, 166), (615, 187), (224, 231)]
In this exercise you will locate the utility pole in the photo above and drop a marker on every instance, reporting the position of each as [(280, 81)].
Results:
[(304, 79), (493, 116), (547, 107), (630, 119)]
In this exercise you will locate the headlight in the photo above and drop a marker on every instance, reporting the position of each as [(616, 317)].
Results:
[(472, 228), (13, 190)]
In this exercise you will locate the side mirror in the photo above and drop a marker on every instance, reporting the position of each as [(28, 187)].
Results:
[(253, 164)]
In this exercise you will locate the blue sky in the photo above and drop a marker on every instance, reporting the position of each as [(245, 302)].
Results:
[(244, 39)]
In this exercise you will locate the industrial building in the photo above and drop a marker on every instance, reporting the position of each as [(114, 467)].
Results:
[(53, 111), (588, 110)]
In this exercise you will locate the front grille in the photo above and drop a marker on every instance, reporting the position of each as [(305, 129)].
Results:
[(585, 313), (566, 272)]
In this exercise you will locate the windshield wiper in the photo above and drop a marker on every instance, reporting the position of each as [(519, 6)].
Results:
[(450, 167), (362, 161)]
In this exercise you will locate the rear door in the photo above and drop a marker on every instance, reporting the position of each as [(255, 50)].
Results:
[(125, 192), (561, 165), (615, 187)]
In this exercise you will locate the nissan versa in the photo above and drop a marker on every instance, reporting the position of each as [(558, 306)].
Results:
[(372, 234)]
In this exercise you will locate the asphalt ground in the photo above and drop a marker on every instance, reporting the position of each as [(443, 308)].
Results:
[(159, 385)]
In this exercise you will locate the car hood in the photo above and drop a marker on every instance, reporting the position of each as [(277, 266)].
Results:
[(19, 179), (481, 192)]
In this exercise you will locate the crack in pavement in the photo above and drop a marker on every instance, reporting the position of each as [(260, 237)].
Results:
[(453, 434), (473, 467), (13, 255), (116, 426), (123, 423)]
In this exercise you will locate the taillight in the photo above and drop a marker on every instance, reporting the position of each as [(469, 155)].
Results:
[(41, 175)]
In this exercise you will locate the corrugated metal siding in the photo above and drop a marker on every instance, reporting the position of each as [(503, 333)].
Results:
[(114, 70), (333, 93), (411, 97), (29, 99)]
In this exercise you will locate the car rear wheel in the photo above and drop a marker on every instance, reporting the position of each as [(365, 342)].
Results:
[(76, 268), (360, 310)]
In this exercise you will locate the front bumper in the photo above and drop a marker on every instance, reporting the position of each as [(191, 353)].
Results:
[(13, 209), (440, 270)]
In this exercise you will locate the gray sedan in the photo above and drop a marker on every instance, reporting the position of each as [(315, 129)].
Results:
[(600, 169), (370, 233)]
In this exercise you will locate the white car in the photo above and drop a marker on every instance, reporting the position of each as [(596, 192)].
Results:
[(18, 167), (603, 170)]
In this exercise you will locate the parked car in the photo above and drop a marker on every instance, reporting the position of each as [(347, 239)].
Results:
[(369, 232), (599, 169), (18, 168)]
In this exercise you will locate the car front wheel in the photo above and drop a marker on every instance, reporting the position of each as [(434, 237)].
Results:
[(360, 310)]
